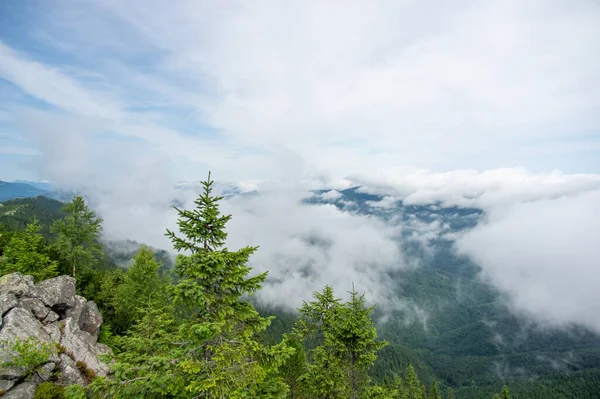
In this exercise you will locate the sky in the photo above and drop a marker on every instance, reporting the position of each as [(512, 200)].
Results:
[(494, 104)]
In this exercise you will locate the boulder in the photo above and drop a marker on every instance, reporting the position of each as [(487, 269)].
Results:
[(90, 319), (52, 314), (7, 302), (16, 284), (5, 385), (55, 291), (73, 313), (45, 371), (82, 347), (35, 306), (25, 390), (18, 324), (69, 372), (51, 317)]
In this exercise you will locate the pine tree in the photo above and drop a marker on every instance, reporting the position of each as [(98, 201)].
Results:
[(356, 338), (434, 392), (25, 253), (344, 345), (205, 344), (450, 393), (78, 236), (224, 357), (142, 287), (412, 384)]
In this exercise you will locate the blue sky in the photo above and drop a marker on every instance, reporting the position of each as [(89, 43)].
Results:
[(293, 90)]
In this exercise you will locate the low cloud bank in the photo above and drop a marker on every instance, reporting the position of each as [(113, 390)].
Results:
[(544, 255)]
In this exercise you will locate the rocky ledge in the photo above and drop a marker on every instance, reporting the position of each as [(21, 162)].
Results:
[(47, 315)]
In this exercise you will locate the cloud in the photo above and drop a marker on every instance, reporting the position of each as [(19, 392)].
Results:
[(310, 88), (478, 189), (544, 255), (332, 195), (304, 247), (123, 100), (387, 202)]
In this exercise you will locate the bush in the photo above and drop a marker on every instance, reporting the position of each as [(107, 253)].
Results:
[(47, 390)]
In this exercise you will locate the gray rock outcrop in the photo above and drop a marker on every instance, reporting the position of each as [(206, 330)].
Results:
[(47, 315)]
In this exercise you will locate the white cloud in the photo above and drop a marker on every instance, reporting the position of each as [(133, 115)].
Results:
[(332, 195), (485, 189), (304, 247), (307, 93), (544, 255), (387, 202)]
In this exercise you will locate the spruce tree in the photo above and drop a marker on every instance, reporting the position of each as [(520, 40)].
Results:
[(220, 327), (78, 236), (343, 345), (25, 253), (205, 344), (434, 392), (143, 286), (412, 384)]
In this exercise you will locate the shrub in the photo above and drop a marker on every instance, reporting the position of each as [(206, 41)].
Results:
[(47, 390)]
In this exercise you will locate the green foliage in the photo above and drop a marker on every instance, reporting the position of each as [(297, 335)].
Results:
[(25, 253), (206, 343), (75, 392), (78, 236), (16, 214), (434, 392), (141, 286), (27, 354), (344, 345), (48, 390)]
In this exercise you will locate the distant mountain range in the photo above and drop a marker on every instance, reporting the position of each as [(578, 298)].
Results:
[(18, 189)]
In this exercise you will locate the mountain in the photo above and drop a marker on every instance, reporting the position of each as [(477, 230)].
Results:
[(453, 325), (42, 185), (10, 190)]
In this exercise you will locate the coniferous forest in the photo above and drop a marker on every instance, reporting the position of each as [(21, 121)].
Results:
[(193, 330)]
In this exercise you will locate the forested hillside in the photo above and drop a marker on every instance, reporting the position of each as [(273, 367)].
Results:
[(191, 329)]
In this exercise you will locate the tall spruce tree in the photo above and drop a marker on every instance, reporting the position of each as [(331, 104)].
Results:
[(206, 344), (224, 357), (78, 236)]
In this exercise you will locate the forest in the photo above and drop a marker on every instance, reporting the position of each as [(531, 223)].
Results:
[(193, 330)]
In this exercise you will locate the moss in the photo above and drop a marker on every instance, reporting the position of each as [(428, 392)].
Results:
[(2, 392), (61, 349), (48, 390), (86, 371)]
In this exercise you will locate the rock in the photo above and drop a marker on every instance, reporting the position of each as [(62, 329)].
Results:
[(18, 324), (58, 290), (16, 283), (53, 330), (25, 390), (90, 319), (5, 385), (36, 307), (74, 311), (51, 317), (69, 373), (50, 313), (45, 371), (82, 347), (7, 302)]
